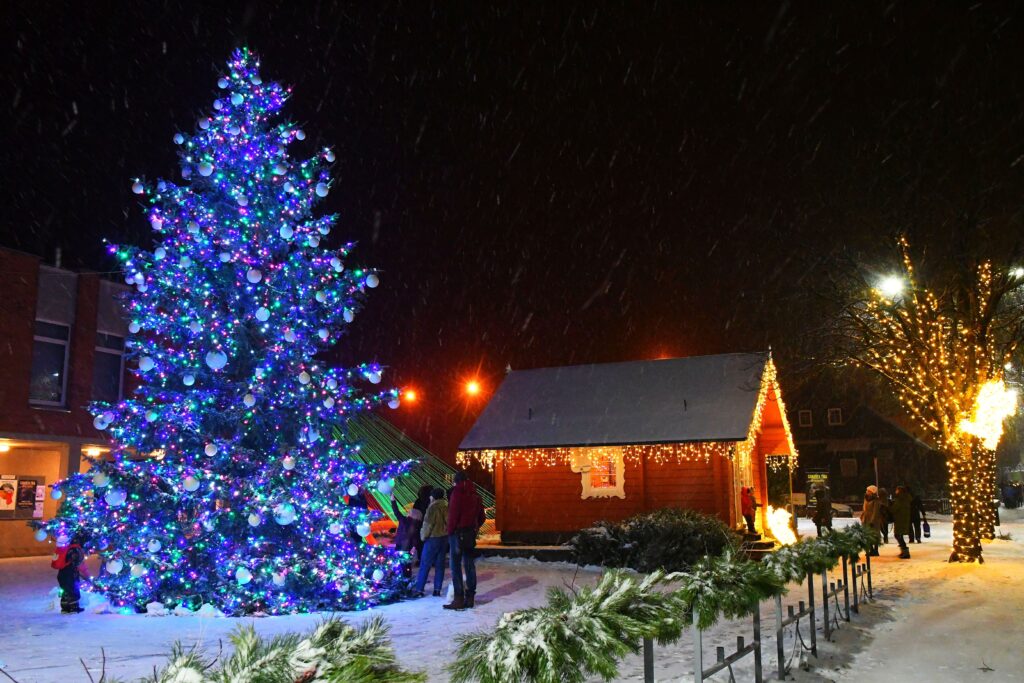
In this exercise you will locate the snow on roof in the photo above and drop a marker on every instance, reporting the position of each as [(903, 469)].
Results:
[(702, 398)]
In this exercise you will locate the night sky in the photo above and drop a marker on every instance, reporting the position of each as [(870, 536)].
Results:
[(552, 184)]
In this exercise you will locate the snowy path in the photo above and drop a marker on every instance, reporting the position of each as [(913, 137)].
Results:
[(931, 622)]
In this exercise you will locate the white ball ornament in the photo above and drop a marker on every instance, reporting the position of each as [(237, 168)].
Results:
[(233, 130), (288, 187), (334, 529), (114, 566), (300, 134), (222, 82), (289, 336), (255, 79), (374, 377), (284, 514), (385, 487), (115, 498), (138, 278), (193, 227), (249, 400), (378, 575), (188, 380), (151, 415), (216, 360), (328, 402), (204, 124), (372, 280), (278, 578), (320, 297), (211, 449), (138, 570), (236, 98), (329, 155), (142, 287), (262, 314), (206, 169), (324, 230), (349, 315), (156, 223), (243, 576), (288, 462), (100, 479), (154, 546), (280, 169), (332, 383), (363, 529), (39, 535), (195, 326), (323, 333), (286, 232), (314, 241), (99, 423), (224, 256), (353, 490), (134, 327), (184, 262), (242, 200), (179, 139), (337, 264), (254, 519), (322, 189), (159, 253), (63, 540), (190, 483), (146, 363), (218, 105), (304, 377), (254, 275), (137, 187), (394, 404), (56, 494)]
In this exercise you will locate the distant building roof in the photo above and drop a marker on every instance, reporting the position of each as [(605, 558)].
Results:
[(675, 400)]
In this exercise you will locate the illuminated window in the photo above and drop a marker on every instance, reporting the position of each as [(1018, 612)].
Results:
[(601, 470)]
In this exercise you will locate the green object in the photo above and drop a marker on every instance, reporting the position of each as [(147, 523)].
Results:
[(381, 442), (334, 652)]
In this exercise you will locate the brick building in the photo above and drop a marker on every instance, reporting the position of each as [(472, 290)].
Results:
[(63, 347)]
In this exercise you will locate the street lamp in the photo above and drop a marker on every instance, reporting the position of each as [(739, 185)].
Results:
[(409, 395), (472, 387), (890, 286)]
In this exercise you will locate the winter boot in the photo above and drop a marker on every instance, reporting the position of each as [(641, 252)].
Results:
[(457, 603), (470, 599), (904, 553), (437, 592)]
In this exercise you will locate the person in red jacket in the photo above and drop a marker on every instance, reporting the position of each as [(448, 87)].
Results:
[(747, 506), (69, 561), (465, 517)]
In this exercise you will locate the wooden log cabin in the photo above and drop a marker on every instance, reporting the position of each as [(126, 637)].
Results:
[(569, 446)]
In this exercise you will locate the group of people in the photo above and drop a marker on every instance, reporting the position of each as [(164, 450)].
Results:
[(1013, 494), (904, 511), (438, 525)]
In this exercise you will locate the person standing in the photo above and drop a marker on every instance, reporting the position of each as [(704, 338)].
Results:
[(871, 515), (900, 510), (823, 510), (70, 565), (465, 517), (747, 506), (916, 516), (886, 514), (435, 543)]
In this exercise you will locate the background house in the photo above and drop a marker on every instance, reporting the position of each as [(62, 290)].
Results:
[(63, 347), (573, 445)]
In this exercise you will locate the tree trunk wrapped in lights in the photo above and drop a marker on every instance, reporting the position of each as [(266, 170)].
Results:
[(944, 352)]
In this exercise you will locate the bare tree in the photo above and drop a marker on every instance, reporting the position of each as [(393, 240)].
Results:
[(943, 349)]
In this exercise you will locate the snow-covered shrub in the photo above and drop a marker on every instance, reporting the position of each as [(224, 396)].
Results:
[(576, 636), (670, 539), (728, 586), (334, 652)]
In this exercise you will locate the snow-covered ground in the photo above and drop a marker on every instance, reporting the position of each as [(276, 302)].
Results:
[(931, 621)]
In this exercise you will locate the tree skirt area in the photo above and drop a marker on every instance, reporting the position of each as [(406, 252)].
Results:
[(930, 621)]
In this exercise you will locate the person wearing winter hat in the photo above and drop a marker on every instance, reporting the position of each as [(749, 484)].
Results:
[(465, 517), (871, 514)]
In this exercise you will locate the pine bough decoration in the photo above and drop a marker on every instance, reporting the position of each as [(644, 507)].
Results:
[(225, 485), (334, 652), (575, 636)]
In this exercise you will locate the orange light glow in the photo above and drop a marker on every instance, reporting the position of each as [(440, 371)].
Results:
[(410, 395), (472, 387)]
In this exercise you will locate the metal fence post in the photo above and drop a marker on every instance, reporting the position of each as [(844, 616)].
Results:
[(810, 599), (856, 575), (648, 660), (871, 592), (758, 674), (698, 653), (826, 627), (846, 588), (780, 632)]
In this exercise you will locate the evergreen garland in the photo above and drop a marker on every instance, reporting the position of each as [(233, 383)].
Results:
[(728, 586), (576, 635), (334, 652)]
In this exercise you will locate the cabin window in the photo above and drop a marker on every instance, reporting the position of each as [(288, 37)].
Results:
[(601, 471), (805, 418), (835, 416)]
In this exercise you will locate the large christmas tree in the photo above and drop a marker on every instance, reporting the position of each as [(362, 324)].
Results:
[(225, 485)]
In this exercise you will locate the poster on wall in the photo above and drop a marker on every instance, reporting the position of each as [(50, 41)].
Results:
[(8, 492), (26, 496)]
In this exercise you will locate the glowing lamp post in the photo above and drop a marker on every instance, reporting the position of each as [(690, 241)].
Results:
[(472, 388), (890, 287)]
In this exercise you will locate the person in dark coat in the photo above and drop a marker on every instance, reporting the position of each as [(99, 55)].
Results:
[(916, 516), (900, 510), (883, 506), (407, 537), (465, 517), (70, 566), (435, 543), (823, 510)]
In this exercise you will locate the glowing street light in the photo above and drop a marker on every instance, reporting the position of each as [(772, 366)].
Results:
[(1017, 272), (890, 286), (409, 395), (472, 387)]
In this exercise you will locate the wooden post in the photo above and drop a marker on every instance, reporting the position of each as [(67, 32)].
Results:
[(856, 575), (780, 632), (846, 589), (810, 599), (871, 592), (826, 626)]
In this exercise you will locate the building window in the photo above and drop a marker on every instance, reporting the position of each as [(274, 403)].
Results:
[(805, 419), (49, 364), (602, 472), (835, 416), (108, 368)]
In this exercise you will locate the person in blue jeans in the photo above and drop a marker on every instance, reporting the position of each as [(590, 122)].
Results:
[(465, 517), (435, 542)]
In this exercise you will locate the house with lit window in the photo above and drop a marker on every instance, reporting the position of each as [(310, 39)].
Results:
[(569, 446), (63, 347)]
